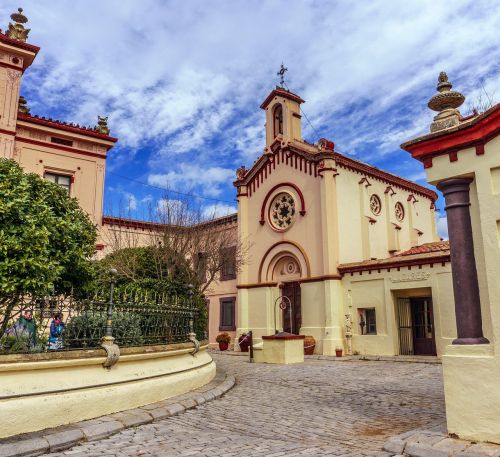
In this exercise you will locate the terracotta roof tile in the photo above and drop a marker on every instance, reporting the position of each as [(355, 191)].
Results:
[(420, 255)]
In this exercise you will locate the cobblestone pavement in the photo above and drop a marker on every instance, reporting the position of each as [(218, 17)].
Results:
[(317, 408)]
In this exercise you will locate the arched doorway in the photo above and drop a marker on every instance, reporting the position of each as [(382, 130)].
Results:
[(287, 272)]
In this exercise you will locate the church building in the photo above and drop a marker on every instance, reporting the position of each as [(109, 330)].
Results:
[(354, 249)]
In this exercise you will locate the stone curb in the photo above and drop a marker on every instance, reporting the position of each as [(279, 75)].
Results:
[(346, 358), (67, 436), (436, 443)]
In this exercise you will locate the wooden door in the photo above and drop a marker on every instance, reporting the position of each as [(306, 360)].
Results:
[(424, 342), (292, 315)]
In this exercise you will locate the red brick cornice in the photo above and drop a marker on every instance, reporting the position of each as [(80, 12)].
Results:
[(267, 162), (19, 44), (64, 126), (279, 92), (398, 263), (471, 133)]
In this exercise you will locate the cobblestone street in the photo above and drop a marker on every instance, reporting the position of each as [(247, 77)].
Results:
[(317, 408)]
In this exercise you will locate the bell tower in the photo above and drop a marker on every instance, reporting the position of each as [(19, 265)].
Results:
[(283, 119), (15, 56)]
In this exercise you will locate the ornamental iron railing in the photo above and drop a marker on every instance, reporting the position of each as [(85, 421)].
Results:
[(40, 324)]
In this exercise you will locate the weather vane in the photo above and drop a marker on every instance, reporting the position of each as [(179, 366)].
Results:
[(281, 74)]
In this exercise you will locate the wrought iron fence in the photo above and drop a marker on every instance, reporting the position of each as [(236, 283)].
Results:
[(40, 324)]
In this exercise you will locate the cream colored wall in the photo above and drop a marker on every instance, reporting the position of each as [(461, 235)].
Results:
[(88, 173), (69, 389), (361, 240), (381, 290), (471, 373)]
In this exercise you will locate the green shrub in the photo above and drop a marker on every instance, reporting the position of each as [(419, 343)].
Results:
[(87, 330)]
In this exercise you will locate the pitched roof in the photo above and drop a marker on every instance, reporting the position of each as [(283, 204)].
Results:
[(428, 253), (313, 154)]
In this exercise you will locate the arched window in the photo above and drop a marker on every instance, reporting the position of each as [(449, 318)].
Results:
[(278, 120)]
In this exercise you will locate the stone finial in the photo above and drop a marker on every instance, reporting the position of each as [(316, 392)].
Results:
[(445, 102), (17, 31), (23, 106), (241, 172), (102, 125)]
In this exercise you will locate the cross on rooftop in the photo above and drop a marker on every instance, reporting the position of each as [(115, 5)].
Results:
[(281, 74)]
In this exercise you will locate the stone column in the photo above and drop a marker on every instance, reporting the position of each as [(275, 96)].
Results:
[(463, 262)]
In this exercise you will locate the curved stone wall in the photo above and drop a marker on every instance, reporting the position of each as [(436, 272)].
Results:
[(39, 391)]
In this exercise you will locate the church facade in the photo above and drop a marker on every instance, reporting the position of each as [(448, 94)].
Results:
[(337, 249)]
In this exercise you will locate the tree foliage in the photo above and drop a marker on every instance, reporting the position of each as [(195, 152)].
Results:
[(46, 239)]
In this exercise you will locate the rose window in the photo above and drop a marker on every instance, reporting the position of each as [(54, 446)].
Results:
[(399, 211), (375, 204), (282, 211)]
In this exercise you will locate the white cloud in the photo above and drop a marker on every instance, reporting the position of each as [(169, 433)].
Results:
[(179, 77), (442, 226), (191, 176), (218, 210)]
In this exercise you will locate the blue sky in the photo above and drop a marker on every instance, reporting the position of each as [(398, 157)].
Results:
[(182, 81)]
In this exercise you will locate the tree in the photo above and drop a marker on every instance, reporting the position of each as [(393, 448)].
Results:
[(46, 239), (183, 243)]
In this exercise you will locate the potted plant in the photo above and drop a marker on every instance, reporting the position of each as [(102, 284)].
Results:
[(338, 351), (309, 344), (244, 342), (223, 339)]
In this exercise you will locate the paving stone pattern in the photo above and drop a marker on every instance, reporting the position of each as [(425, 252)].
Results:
[(319, 408)]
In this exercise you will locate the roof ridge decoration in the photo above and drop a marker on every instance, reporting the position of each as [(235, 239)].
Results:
[(69, 126), (445, 102), (17, 31)]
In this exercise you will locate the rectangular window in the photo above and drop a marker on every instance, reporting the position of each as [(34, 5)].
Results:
[(371, 322), (367, 321), (61, 180), (227, 314), (61, 141), (228, 270)]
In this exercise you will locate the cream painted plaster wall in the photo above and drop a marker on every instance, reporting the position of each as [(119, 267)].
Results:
[(381, 290), (88, 173), (471, 373), (360, 239), (72, 389)]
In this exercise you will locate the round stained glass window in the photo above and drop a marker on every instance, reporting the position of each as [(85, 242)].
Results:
[(399, 211), (375, 204), (282, 211)]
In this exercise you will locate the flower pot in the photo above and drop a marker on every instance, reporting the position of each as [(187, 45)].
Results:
[(338, 352), (309, 350), (223, 346), (244, 342)]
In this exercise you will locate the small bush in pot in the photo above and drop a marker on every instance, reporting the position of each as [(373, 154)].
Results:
[(309, 345), (338, 351), (223, 339)]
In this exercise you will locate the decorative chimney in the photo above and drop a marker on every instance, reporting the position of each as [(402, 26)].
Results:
[(445, 102), (17, 31)]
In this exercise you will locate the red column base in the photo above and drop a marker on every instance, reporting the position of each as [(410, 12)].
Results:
[(480, 340)]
